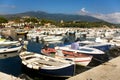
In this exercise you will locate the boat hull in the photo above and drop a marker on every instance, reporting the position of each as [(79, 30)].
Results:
[(84, 61), (63, 72), (8, 54), (10, 50), (102, 47)]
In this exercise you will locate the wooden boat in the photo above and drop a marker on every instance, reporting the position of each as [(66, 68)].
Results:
[(78, 58), (47, 65)]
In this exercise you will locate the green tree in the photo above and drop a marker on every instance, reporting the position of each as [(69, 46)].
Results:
[(3, 20), (43, 21), (34, 20), (27, 20), (17, 20)]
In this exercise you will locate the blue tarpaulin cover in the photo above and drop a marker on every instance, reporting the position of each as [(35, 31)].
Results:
[(75, 45)]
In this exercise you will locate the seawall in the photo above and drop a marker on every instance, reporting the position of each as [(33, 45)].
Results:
[(107, 71)]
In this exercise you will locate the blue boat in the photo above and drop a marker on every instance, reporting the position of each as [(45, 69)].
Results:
[(98, 45), (104, 47)]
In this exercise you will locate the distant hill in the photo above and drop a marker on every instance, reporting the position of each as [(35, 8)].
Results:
[(57, 17)]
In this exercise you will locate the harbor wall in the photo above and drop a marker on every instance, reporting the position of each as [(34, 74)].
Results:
[(107, 71)]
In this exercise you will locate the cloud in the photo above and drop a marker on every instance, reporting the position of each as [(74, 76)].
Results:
[(7, 6), (111, 17), (83, 12)]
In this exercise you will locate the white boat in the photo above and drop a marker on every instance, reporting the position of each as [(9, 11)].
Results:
[(21, 31), (80, 55), (78, 58), (53, 38), (84, 50), (6, 42), (9, 50), (47, 65)]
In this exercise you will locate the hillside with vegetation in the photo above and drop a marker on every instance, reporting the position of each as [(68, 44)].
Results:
[(41, 18)]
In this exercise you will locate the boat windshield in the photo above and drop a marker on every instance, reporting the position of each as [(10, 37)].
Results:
[(7, 46), (83, 49)]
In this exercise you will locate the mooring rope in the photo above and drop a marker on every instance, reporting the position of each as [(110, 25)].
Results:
[(105, 63), (98, 60), (88, 67)]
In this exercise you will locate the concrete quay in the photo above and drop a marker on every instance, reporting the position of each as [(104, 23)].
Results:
[(106, 71), (4, 76)]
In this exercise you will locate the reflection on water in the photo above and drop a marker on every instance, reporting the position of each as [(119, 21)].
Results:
[(11, 66)]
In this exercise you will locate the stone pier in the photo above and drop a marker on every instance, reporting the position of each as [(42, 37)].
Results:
[(4, 76), (106, 71)]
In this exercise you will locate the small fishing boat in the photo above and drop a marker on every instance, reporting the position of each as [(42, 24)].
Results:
[(84, 50), (53, 38), (21, 31), (9, 50), (7, 42), (47, 65), (78, 58), (98, 45)]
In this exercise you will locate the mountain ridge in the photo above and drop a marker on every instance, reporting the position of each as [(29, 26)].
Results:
[(54, 16)]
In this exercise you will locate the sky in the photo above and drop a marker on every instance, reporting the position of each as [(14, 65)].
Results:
[(103, 9)]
